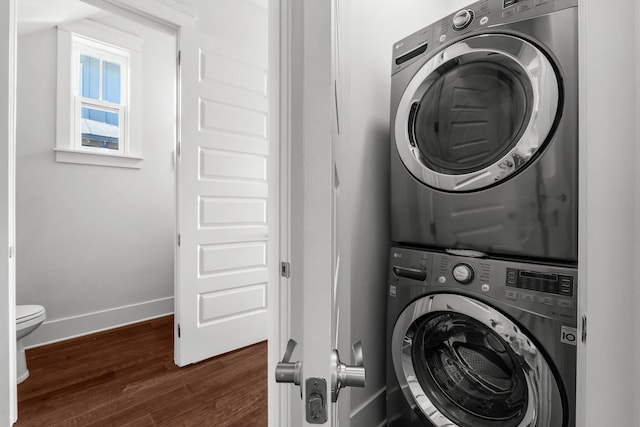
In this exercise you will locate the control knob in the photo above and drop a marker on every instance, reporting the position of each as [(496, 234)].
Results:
[(463, 273), (462, 19)]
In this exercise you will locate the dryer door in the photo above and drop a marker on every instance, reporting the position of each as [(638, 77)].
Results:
[(462, 363), (477, 112)]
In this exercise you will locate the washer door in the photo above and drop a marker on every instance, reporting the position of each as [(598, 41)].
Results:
[(476, 112), (462, 363)]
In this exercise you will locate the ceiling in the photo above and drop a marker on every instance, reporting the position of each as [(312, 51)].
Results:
[(37, 15)]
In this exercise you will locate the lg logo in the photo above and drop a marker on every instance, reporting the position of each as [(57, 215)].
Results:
[(568, 335)]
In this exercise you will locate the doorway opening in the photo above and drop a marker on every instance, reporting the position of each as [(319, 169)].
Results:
[(96, 243), (228, 147)]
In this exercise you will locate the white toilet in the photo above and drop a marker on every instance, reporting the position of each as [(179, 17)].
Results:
[(28, 318)]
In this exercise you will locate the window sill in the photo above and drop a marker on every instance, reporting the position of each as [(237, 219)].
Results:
[(98, 159)]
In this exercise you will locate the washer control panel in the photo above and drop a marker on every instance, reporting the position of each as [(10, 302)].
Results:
[(546, 289)]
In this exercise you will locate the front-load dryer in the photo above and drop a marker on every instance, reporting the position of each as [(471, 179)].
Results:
[(480, 342), (484, 133)]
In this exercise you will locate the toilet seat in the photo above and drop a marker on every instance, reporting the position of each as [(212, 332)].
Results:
[(25, 313)]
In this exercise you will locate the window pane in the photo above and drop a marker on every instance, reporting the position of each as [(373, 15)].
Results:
[(89, 77), (111, 82), (100, 128)]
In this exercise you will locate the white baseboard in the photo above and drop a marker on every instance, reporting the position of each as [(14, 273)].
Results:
[(372, 412), (75, 326)]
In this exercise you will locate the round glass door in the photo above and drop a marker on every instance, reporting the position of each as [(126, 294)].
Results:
[(462, 363), (476, 112)]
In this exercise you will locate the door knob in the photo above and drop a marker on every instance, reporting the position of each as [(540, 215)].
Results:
[(347, 375), (287, 371)]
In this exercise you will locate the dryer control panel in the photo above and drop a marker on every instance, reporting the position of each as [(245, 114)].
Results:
[(476, 17)]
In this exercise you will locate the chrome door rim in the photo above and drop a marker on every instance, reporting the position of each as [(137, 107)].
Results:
[(544, 106), (536, 369)]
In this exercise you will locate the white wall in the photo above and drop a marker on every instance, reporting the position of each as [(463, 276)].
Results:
[(608, 378), (8, 400), (635, 385), (374, 27), (92, 239)]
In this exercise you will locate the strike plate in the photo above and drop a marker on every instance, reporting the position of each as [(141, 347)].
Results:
[(316, 400)]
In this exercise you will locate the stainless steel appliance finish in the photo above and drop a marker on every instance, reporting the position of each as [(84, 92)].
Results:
[(479, 342), (484, 131)]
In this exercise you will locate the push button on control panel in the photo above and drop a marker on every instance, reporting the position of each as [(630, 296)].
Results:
[(565, 303), (546, 300), (529, 297), (524, 7)]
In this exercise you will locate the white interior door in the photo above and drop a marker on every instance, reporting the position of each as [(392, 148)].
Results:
[(319, 264), (221, 268), (314, 265)]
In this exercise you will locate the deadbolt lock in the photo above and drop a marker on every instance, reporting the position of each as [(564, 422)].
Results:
[(316, 400)]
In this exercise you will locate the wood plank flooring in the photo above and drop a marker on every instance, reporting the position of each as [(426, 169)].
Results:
[(126, 377)]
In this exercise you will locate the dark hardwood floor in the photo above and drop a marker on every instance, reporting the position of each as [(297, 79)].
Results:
[(126, 377)]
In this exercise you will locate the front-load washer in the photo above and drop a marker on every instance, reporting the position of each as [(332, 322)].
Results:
[(484, 133), (480, 342)]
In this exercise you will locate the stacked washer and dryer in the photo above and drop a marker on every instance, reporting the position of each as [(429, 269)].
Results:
[(482, 292)]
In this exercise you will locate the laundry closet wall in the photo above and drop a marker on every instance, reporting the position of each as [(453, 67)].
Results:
[(93, 240), (608, 375), (609, 220), (373, 28)]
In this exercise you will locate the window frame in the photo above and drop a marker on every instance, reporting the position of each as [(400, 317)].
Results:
[(91, 38)]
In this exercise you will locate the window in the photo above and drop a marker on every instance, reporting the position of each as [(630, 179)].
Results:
[(101, 97), (98, 71)]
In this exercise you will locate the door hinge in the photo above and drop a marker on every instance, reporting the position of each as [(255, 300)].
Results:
[(178, 148), (178, 330), (179, 58), (10, 251), (285, 269), (179, 240), (584, 328)]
